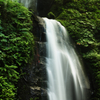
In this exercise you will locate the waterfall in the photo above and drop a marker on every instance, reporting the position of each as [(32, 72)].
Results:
[(66, 78)]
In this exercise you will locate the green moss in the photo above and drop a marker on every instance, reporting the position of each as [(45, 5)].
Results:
[(82, 20), (16, 45), (51, 15)]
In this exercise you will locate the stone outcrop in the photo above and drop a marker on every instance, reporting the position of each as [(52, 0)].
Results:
[(33, 83)]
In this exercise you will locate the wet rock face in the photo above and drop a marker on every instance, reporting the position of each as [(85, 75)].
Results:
[(39, 29), (33, 84)]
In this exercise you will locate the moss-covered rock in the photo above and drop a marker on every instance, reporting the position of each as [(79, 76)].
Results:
[(16, 45)]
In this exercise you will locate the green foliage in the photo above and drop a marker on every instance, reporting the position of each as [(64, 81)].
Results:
[(51, 15), (16, 45), (36, 98), (82, 20)]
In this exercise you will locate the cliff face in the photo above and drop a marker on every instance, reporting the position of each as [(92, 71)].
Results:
[(33, 84)]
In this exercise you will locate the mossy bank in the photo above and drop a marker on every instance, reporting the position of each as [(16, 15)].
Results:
[(16, 46)]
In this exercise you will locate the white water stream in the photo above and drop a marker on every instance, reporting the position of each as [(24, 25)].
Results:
[(66, 79)]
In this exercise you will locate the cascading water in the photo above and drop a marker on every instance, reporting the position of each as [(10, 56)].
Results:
[(66, 79)]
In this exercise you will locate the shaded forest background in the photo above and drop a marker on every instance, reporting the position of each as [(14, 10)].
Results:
[(80, 17)]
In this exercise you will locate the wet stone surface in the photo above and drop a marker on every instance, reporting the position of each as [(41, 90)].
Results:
[(33, 84)]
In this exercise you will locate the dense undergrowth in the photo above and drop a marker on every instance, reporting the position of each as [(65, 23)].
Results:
[(16, 45), (82, 20)]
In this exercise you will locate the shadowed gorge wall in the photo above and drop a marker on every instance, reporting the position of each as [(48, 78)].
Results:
[(43, 7)]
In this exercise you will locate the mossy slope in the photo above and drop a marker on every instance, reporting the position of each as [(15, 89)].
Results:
[(16, 45)]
